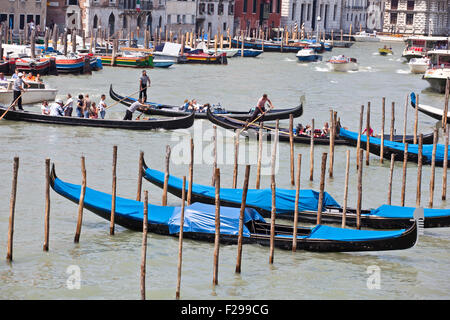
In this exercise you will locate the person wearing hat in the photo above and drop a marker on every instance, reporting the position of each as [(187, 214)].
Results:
[(56, 109), (18, 91), (143, 81)]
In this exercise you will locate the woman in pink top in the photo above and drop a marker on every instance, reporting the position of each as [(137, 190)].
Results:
[(260, 108)]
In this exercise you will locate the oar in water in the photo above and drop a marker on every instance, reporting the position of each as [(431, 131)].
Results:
[(122, 99), (12, 104)]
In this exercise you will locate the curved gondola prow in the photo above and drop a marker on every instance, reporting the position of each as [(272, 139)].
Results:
[(52, 176), (413, 99)]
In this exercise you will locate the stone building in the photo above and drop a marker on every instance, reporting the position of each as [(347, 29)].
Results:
[(215, 15), (112, 15), (16, 13), (424, 17), (313, 15), (255, 14), (181, 15)]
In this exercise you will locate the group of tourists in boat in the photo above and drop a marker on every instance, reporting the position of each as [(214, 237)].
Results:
[(85, 108), (193, 105)]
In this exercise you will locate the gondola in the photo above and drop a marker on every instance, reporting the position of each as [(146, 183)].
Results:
[(174, 111), (383, 217), (199, 224), (163, 123), (433, 112), (397, 148), (283, 133)]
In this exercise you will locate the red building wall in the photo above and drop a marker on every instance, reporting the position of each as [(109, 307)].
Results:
[(252, 16)]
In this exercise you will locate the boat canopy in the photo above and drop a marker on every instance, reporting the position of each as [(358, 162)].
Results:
[(427, 149), (198, 217), (388, 211), (257, 198)]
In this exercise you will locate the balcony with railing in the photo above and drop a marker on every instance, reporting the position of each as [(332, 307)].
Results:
[(130, 5)]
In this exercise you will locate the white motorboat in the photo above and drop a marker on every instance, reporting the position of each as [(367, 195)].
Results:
[(418, 46), (308, 55), (439, 69), (37, 92), (418, 65), (343, 64), (366, 37)]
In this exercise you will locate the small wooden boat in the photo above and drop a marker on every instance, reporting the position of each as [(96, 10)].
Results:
[(173, 111), (162, 123), (35, 66), (283, 133), (366, 37), (308, 55), (199, 224), (384, 217), (198, 56), (134, 62), (249, 53), (70, 64), (418, 65), (268, 46), (385, 51), (230, 123), (433, 112), (160, 63), (343, 64), (396, 148), (37, 92)]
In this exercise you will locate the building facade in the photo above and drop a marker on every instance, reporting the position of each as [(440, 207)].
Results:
[(181, 15), (255, 14), (312, 15), (215, 15), (424, 17), (16, 13)]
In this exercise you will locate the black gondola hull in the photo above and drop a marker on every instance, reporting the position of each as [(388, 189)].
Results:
[(167, 124), (173, 111)]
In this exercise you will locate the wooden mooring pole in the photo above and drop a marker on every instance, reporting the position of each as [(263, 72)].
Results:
[(241, 219), (368, 129), (191, 173), (81, 202), (180, 239), (359, 201), (166, 176), (445, 165), (140, 174), (47, 205), (217, 230), (405, 161), (144, 245), (12, 207), (291, 147), (419, 171), (358, 143), (297, 197), (114, 189), (433, 166), (383, 103), (311, 153), (322, 188), (344, 208)]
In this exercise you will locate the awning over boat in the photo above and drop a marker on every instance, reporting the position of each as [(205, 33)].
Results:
[(388, 211), (257, 198), (340, 234), (200, 217), (427, 149)]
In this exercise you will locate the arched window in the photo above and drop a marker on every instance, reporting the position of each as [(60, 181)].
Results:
[(95, 24), (125, 23), (111, 22)]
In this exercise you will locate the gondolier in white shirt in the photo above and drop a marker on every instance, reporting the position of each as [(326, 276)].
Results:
[(18, 91), (133, 107)]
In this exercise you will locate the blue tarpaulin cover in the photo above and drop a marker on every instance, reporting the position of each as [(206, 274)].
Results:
[(340, 234), (198, 217), (388, 211), (257, 198), (427, 149)]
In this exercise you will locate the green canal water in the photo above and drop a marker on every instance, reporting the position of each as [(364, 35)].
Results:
[(109, 266)]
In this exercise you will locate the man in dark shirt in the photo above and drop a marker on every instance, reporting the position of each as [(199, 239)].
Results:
[(143, 81)]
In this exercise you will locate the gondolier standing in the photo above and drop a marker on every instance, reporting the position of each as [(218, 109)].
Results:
[(143, 81), (259, 109), (18, 90)]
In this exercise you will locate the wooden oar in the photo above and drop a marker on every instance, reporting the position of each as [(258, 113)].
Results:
[(122, 99), (12, 104)]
